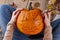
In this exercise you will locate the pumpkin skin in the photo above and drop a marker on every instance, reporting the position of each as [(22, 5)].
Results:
[(30, 22)]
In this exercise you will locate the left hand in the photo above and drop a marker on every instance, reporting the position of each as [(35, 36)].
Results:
[(15, 15)]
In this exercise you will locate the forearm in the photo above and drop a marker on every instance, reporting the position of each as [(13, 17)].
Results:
[(48, 33), (9, 32)]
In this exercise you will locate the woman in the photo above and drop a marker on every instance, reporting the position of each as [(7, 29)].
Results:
[(11, 26), (13, 34)]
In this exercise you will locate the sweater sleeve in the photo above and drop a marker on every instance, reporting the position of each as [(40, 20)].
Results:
[(48, 33), (9, 32)]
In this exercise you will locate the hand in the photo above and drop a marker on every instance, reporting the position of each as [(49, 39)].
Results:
[(15, 15), (47, 18)]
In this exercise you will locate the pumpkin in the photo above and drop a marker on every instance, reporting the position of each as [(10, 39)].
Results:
[(30, 22)]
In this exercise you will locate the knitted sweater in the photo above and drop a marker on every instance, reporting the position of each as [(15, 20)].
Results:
[(10, 29)]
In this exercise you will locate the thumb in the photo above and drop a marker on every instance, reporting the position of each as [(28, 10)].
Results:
[(17, 13), (45, 15)]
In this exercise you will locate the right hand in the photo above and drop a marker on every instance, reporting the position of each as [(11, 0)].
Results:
[(47, 17)]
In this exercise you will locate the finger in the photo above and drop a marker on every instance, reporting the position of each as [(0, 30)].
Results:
[(49, 15), (45, 15), (19, 9), (17, 13), (45, 11)]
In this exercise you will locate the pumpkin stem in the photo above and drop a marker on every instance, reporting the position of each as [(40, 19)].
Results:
[(30, 6)]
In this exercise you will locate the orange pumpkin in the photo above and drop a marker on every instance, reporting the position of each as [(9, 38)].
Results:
[(30, 22)]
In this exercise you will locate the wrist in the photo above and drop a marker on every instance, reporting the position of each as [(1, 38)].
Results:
[(10, 25), (48, 25), (12, 22)]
